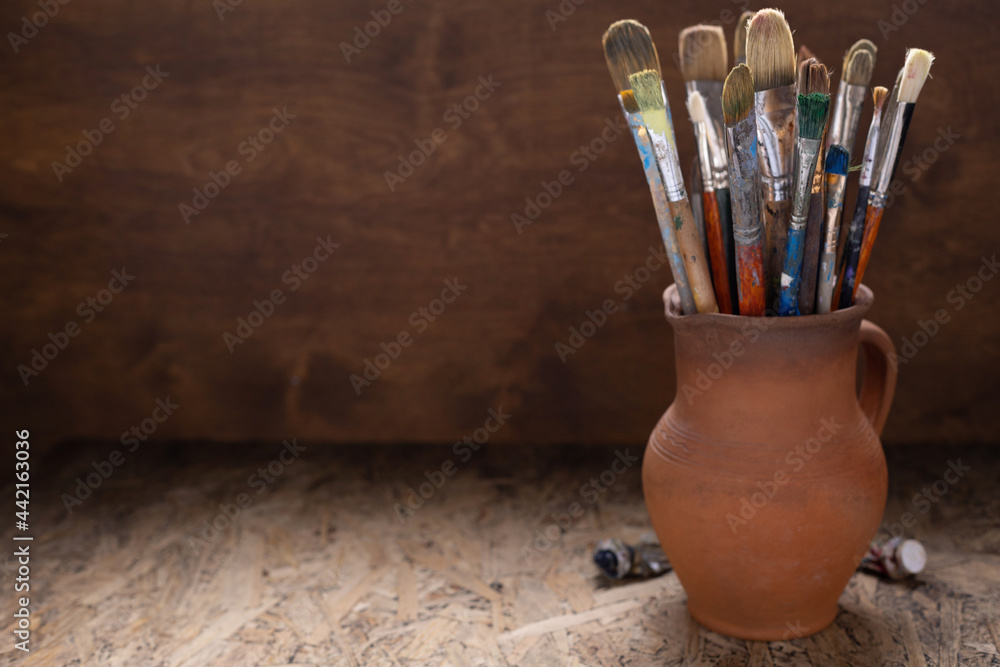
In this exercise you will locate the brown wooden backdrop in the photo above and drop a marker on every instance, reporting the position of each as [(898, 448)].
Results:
[(324, 176)]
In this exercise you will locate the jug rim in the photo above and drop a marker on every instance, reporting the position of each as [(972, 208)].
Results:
[(863, 301)]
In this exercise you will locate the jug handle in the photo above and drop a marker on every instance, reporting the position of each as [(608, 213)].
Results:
[(879, 381)]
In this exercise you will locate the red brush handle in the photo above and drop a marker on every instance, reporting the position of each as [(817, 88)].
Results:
[(873, 218), (717, 252), (750, 269)]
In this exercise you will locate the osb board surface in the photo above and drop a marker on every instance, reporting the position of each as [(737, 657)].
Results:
[(318, 570), (324, 176)]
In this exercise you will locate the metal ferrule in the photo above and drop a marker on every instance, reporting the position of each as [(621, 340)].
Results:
[(712, 92), (871, 145), (808, 151), (846, 115), (744, 179), (775, 109), (888, 152), (670, 166), (704, 158)]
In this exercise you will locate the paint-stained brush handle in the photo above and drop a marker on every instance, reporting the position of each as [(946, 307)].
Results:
[(694, 256), (776, 215), (848, 265), (717, 252), (750, 266), (873, 218)]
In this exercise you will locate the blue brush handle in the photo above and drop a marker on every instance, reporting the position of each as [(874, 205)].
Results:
[(852, 253), (788, 297)]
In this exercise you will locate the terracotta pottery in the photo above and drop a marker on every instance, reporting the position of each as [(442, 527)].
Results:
[(765, 478)]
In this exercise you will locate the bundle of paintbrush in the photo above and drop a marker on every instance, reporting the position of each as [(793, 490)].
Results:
[(773, 154)]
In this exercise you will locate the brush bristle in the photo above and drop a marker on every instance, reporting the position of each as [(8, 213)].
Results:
[(628, 48), (696, 107), (878, 96), (803, 55), (819, 78), (858, 67), (648, 93), (915, 71), (703, 53), (740, 38), (802, 83), (628, 101), (737, 95), (836, 160), (770, 50), (812, 110)]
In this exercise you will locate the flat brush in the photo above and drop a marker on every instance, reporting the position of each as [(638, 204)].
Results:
[(848, 266), (703, 65), (740, 38), (836, 184), (771, 58), (812, 113), (648, 87), (891, 138), (813, 78), (744, 179), (627, 45), (859, 63), (710, 205)]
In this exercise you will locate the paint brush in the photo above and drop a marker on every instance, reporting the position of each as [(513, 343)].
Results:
[(811, 119), (627, 45), (859, 63), (710, 205), (740, 38), (848, 265), (744, 178), (696, 210), (771, 58), (648, 87), (813, 78), (891, 137), (703, 60), (836, 182)]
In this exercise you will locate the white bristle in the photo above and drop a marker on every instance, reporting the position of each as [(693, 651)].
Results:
[(696, 107), (915, 71)]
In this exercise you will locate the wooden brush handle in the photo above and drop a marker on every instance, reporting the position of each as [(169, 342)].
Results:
[(694, 256), (776, 216), (873, 218), (810, 260), (750, 267), (717, 252)]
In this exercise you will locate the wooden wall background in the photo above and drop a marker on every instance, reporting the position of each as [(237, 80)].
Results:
[(324, 176)]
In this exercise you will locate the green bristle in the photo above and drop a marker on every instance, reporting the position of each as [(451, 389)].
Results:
[(836, 160), (648, 93), (813, 109)]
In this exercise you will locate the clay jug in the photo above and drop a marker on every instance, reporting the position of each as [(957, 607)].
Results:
[(765, 479)]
